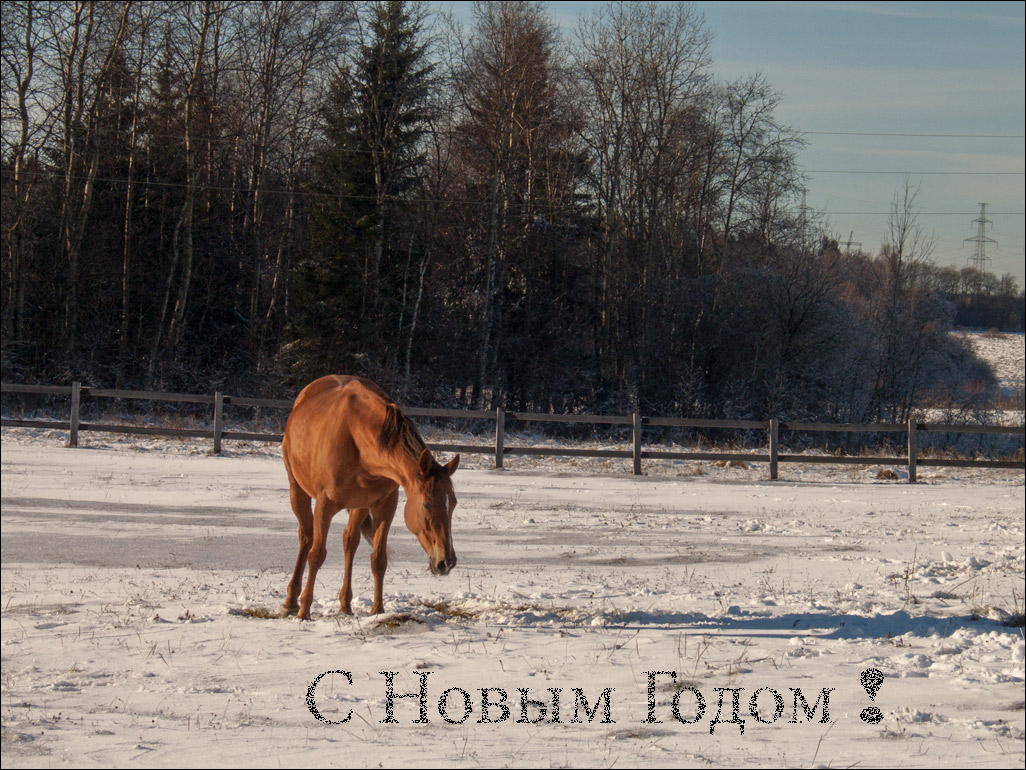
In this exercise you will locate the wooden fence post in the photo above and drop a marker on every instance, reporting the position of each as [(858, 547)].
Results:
[(913, 449), (76, 402), (636, 431), (218, 420), (774, 436), (500, 427)]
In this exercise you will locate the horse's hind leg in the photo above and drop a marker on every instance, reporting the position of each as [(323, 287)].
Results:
[(351, 540), (301, 507)]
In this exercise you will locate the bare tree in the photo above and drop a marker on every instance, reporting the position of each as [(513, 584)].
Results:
[(284, 55), (507, 84), (195, 25), (644, 67), (146, 16), (92, 47), (760, 157), (31, 101), (905, 316)]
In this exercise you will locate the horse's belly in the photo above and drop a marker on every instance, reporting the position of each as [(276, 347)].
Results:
[(360, 494)]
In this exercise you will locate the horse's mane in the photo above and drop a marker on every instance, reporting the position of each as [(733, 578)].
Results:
[(398, 430)]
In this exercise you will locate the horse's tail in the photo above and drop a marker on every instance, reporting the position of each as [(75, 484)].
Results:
[(367, 530)]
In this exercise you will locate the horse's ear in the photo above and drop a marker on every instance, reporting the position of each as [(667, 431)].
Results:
[(452, 465), (426, 463)]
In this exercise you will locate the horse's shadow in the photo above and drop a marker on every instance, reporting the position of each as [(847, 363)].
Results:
[(821, 625)]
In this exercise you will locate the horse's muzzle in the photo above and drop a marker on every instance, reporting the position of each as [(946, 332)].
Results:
[(442, 566)]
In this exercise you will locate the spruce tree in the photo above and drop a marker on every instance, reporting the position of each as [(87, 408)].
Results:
[(351, 287)]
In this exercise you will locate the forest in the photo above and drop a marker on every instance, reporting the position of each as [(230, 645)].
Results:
[(206, 194)]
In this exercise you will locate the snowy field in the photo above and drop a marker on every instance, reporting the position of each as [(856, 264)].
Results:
[(142, 584), (1006, 353)]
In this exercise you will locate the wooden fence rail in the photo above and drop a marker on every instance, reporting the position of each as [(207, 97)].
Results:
[(772, 427)]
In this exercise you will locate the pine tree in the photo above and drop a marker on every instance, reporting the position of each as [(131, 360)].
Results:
[(369, 163)]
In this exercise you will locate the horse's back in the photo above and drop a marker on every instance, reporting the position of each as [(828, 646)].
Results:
[(323, 388), (325, 396), (330, 418)]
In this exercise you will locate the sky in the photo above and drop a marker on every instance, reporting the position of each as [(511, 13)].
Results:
[(883, 91)]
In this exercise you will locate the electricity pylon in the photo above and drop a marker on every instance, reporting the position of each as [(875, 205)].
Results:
[(979, 259)]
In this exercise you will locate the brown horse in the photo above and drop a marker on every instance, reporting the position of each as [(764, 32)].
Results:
[(347, 445)]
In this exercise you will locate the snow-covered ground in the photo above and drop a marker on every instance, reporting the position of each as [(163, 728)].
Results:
[(1005, 353), (141, 585)]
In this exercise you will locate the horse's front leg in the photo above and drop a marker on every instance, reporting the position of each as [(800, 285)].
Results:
[(384, 511), (324, 510), (351, 541)]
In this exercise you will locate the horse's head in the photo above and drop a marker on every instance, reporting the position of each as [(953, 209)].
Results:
[(428, 512)]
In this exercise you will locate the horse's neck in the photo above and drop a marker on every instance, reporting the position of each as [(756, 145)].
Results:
[(399, 466)]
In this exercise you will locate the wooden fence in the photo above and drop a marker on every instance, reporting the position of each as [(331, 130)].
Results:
[(772, 428)]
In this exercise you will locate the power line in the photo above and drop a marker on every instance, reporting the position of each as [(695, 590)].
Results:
[(915, 136), (536, 204), (926, 213), (919, 173), (234, 137)]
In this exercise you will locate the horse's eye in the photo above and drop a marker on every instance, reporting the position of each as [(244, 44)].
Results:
[(427, 506)]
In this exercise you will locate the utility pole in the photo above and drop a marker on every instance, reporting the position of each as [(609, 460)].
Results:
[(979, 259)]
